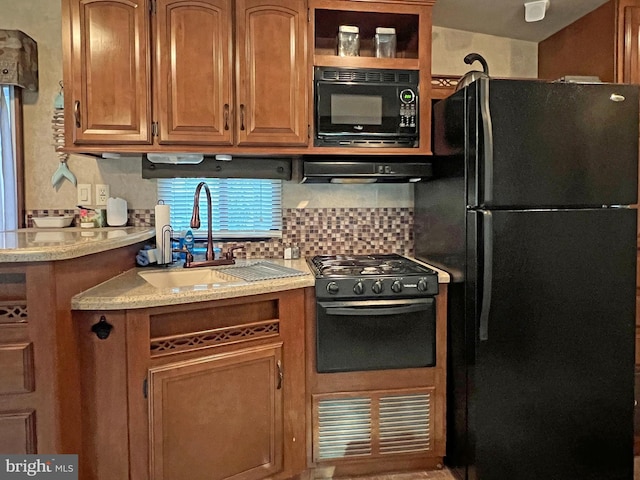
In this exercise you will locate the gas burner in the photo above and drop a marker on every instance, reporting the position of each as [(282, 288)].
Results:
[(355, 265), (372, 276)]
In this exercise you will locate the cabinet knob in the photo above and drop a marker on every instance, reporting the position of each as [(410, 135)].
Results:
[(226, 116), (242, 116), (5, 71)]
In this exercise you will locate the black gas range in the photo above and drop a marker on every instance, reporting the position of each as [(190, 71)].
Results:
[(376, 276), (374, 312)]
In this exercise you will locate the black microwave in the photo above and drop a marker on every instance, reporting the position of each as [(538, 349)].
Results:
[(359, 107)]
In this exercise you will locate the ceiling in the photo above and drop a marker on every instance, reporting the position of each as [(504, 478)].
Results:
[(505, 18)]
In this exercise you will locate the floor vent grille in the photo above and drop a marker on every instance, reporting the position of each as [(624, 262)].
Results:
[(404, 423), (344, 428), (372, 424)]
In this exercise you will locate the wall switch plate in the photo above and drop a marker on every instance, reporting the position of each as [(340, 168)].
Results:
[(84, 193), (102, 194)]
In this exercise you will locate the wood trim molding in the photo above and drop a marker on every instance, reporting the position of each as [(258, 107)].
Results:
[(443, 85)]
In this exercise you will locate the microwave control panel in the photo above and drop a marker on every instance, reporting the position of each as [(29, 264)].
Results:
[(408, 108)]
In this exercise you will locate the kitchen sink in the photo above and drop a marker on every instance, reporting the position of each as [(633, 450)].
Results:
[(250, 271), (182, 277)]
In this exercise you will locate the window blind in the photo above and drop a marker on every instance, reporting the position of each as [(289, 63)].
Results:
[(242, 208), (8, 169)]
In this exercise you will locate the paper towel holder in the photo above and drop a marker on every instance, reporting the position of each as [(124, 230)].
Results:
[(167, 238)]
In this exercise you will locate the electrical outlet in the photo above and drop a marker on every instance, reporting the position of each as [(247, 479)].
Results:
[(102, 194), (84, 193)]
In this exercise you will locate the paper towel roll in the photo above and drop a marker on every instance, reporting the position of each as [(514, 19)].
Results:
[(163, 233)]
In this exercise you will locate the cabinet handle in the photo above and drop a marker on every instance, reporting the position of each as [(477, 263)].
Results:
[(226, 116), (280, 375), (76, 113), (242, 116)]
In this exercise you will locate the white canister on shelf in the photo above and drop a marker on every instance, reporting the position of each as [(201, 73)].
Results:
[(385, 42), (348, 41)]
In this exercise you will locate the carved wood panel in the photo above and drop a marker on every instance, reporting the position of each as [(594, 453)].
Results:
[(17, 374), (18, 432)]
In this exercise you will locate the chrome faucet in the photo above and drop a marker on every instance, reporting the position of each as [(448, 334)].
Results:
[(227, 258)]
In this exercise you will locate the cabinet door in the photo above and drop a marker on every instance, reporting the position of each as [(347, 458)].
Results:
[(271, 72), (217, 417), (631, 50), (193, 81), (108, 101)]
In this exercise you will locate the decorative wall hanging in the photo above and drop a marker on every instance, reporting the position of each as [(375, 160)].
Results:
[(18, 60)]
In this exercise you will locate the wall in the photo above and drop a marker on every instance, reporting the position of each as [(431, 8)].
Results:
[(506, 57), (41, 20)]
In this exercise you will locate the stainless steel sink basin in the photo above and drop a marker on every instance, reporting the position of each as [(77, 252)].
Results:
[(182, 277)]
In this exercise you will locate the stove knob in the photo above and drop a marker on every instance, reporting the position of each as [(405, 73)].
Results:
[(358, 288), (397, 286), (332, 288), (377, 287), (422, 285)]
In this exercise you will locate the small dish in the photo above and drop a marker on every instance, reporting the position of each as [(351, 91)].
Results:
[(53, 222)]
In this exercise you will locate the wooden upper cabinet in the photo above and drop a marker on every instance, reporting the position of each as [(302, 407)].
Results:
[(107, 94), (272, 83), (603, 43), (193, 71), (412, 22)]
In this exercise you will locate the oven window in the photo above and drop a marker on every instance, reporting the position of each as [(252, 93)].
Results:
[(357, 336), (356, 109)]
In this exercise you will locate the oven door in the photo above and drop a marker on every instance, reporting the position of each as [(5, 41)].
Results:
[(375, 335)]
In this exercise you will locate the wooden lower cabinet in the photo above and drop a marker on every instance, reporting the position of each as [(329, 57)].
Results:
[(217, 417), (375, 421), (39, 384), (209, 390)]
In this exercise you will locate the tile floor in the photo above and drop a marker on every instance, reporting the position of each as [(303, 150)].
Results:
[(427, 475), (441, 475)]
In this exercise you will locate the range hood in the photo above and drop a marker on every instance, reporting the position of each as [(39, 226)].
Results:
[(379, 170)]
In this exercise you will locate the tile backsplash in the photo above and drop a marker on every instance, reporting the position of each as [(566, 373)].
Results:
[(317, 231)]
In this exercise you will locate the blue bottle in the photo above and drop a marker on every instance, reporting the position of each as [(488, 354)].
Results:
[(188, 241)]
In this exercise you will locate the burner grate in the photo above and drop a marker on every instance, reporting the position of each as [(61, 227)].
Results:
[(365, 265)]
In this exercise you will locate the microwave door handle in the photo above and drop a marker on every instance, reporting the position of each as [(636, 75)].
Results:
[(357, 311)]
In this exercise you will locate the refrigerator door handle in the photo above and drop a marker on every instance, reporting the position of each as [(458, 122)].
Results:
[(487, 275), (487, 134)]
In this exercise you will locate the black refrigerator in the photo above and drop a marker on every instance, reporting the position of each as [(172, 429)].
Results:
[(531, 210)]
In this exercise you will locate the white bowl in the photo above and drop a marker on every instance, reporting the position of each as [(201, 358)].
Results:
[(53, 222)]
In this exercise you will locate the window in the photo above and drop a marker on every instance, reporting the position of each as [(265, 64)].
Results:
[(8, 172), (242, 208)]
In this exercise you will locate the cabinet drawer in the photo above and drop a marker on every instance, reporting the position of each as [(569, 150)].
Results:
[(16, 368), (18, 432)]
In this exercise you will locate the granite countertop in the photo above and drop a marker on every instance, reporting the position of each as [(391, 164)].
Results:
[(46, 244), (129, 290)]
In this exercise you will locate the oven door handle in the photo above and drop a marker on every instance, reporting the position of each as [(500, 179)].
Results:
[(359, 311)]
